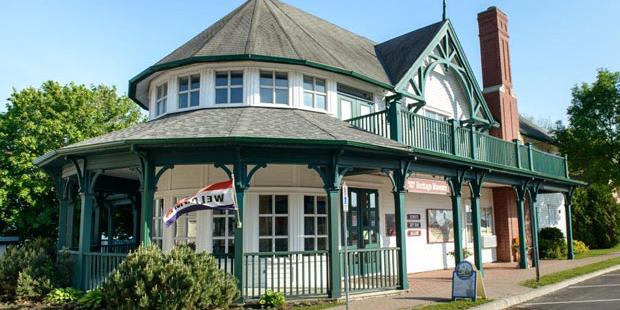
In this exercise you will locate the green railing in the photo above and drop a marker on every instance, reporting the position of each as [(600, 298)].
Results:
[(371, 269), (225, 262), (296, 274), (450, 138), (98, 266)]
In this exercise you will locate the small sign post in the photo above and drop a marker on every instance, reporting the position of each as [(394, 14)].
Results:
[(464, 281), (345, 209)]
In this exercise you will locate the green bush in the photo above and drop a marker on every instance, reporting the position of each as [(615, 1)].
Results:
[(30, 271), (271, 299), (181, 279), (92, 300), (580, 247), (61, 296), (551, 243), (596, 216)]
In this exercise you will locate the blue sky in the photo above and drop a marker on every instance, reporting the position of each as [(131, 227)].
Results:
[(554, 43)]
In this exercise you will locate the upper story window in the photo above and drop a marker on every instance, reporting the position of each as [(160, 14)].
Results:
[(315, 93), (189, 91), (161, 99), (274, 87), (229, 87)]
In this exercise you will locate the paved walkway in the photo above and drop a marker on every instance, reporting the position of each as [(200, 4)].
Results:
[(501, 280)]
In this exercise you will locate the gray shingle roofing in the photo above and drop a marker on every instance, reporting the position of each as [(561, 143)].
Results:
[(528, 128), (246, 122)]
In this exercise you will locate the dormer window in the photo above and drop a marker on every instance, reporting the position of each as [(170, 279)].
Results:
[(229, 87), (315, 93), (189, 91), (274, 87), (161, 99)]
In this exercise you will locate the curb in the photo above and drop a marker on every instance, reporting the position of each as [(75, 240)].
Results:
[(514, 300)]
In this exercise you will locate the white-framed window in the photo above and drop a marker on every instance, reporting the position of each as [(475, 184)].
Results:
[(157, 233), (189, 91), (184, 231), (228, 87), (315, 93), (223, 232), (436, 116), (161, 99), (274, 87), (486, 220), (272, 223), (315, 223)]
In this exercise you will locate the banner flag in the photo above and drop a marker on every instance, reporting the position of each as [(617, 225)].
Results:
[(220, 196)]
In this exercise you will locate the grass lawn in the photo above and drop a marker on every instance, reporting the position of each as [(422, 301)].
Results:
[(454, 305), (317, 306), (571, 273), (597, 252)]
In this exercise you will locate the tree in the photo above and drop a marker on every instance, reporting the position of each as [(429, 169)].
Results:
[(41, 120), (596, 216)]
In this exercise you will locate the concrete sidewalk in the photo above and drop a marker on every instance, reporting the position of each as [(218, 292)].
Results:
[(501, 281)]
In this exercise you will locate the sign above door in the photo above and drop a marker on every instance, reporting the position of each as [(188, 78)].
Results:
[(426, 186)]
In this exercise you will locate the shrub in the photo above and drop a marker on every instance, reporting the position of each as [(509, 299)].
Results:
[(580, 247), (32, 270), (181, 279), (61, 296), (271, 299), (596, 216), (551, 243), (92, 300)]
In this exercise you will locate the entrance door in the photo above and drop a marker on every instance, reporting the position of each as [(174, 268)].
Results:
[(363, 228)]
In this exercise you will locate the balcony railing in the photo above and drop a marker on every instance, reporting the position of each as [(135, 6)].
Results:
[(449, 138)]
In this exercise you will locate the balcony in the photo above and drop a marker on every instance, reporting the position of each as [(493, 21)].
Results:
[(443, 139)]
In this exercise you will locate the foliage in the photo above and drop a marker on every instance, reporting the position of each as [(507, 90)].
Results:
[(466, 253), (598, 252), (579, 247), (92, 300), (40, 120), (596, 216), (551, 243), (60, 296), (32, 270), (454, 305), (272, 299), (571, 273), (181, 279)]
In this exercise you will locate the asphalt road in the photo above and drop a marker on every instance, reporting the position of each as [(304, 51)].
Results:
[(602, 292)]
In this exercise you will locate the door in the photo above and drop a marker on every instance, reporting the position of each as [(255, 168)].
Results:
[(363, 231)]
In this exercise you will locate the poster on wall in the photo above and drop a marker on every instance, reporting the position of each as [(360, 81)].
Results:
[(439, 226), (390, 225)]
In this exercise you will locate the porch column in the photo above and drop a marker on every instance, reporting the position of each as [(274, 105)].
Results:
[(148, 195), (521, 191), (63, 223), (86, 227), (399, 181), (568, 201), (533, 191), (238, 260), (475, 187), (333, 247), (456, 183)]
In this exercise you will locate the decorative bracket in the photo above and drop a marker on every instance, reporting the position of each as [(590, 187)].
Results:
[(475, 185), (456, 182), (533, 190), (398, 177)]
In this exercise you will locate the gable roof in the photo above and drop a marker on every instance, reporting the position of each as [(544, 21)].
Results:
[(528, 128)]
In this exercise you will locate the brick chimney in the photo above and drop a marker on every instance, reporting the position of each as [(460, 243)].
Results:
[(496, 72)]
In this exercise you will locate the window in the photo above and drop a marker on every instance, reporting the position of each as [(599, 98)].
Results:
[(185, 230), (315, 93), (274, 87), (161, 99), (272, 223), (436, 116), (157, 233), (223, 232), (486, 221), (315, 223), (229, 87), (189, 91)]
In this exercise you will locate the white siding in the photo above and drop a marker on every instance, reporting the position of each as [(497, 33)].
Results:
[(445, 95)]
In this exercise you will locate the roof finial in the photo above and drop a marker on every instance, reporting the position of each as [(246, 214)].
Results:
[(443, 16)]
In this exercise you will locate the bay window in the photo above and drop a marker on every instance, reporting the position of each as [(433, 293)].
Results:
[(189, 91), (229, 87), (315, 93), (161, 99), (274, 87)]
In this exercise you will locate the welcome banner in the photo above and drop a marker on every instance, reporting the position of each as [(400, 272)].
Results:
[(215, 196)]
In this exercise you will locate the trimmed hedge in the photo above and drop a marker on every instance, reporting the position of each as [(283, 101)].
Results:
[(551, 243)]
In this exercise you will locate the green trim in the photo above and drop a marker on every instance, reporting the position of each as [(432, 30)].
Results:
[(244, 57)]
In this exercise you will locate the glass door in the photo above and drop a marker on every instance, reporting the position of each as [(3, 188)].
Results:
[(363, 231)]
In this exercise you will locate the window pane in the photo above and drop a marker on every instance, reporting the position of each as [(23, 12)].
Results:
[(236, 95), (282, 96), (321, 244), (345, 109), (281, 245), (266, 78), (308, 83), (281, 226), (309, 226), (195, 99), (320, 85), (266, 95), (160, 92), (308, 204), (221, 95), (320, 205), (308, 99), (309, 244), (321, 102), (231, 226), (321, 225), (221, 79), (182, 101), (264, 226), (219, 246), (231, 246), (264, 245), (281, 205), (183, 83), (281, 79), (264, 204), (219, 227), (236, 78), (195, 81), (165, 87), (191, 225)]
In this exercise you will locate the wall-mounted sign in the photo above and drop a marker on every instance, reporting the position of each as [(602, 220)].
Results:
[(439, 225), (413, 217), (426, 186), (413, 225), (414, 233)]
